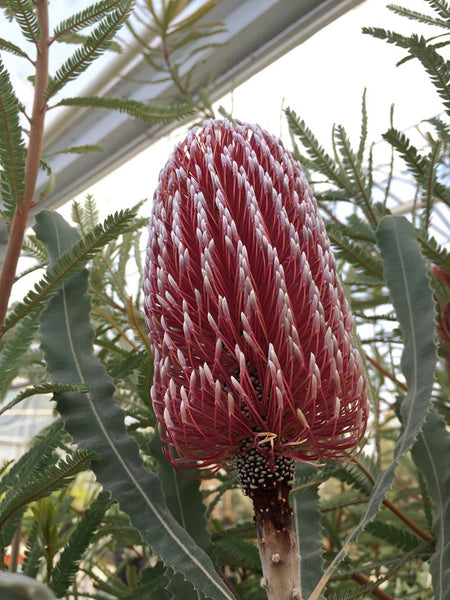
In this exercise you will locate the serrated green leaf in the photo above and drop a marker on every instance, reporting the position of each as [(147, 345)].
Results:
[(95, 421), (406, 277), (432, 445), (307, 527)]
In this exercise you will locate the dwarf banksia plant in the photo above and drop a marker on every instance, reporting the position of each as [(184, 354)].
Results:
[(255, 366)]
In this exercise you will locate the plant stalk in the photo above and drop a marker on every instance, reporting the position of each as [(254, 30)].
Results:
[(277, 543), (22, 211)]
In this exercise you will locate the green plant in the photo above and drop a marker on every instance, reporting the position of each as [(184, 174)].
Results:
[(368, 526)]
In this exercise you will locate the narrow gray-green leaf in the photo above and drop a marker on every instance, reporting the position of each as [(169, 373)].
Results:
[(182, 494), (96, 422), (307, 527), (429, 452), (406, 278)]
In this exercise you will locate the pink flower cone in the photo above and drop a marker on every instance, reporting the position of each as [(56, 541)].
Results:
[(254, 359)]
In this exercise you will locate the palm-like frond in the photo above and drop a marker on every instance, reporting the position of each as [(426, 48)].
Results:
[(70, 262), (12, 147), (96, 44), (161, 114)]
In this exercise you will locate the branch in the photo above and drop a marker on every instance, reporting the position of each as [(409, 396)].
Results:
[(22, 211)]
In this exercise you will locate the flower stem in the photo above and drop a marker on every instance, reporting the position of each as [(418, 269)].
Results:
[(277, 543)]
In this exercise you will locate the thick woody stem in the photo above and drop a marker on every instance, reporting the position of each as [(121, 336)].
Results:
[(22, 212), (277, 543)]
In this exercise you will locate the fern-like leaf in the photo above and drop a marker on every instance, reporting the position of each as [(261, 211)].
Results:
[(139, 110), (36, 459), (236, 552), (357, 255), (97, 43), (12, 351), (441, 7), (23, 11), (418, 164), (39, 483), (434, 252), (45, 388), (33, 552), (12, 147), (8, 46), (418, 16), (85, 149), (70, 262), (400, 538), (66, 568), (353, 170), (319, 159), (435, 65), (85, 18), (363, 136)]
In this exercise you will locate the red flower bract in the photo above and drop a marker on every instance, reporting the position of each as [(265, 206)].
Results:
[(249, 324)]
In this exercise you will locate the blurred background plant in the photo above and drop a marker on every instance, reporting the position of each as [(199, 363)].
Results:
[(79, 335)]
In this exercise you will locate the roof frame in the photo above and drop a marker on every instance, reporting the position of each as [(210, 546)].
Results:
[(257, 32)]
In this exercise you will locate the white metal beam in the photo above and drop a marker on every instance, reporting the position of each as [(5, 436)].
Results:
[(257, 33)]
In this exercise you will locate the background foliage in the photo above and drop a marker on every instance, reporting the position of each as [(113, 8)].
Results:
[(92, 509)]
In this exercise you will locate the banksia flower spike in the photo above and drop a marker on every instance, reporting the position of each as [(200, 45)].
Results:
[(255, 366)]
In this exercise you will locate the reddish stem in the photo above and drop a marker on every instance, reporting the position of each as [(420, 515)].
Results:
[(363, 580), (22, 211)]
